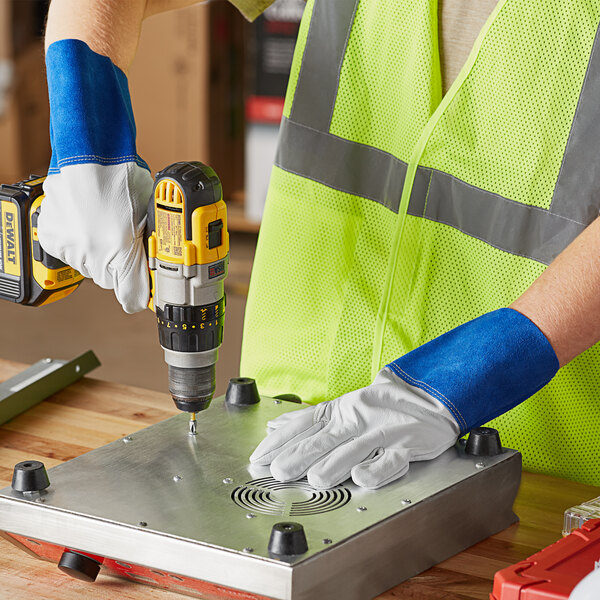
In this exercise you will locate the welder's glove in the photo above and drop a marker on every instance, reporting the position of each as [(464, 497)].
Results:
[(97, 189), (415, 408)]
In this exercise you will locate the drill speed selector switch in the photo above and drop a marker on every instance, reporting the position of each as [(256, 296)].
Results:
[(188, 253)]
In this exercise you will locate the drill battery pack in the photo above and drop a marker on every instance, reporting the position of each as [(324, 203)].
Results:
[(552, 573), (28, 275)]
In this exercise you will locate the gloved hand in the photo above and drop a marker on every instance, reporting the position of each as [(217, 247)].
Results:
[(97, 189), (416, 407), (371, 434)]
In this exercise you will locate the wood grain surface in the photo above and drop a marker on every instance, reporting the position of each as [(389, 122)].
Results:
[(92, 413)]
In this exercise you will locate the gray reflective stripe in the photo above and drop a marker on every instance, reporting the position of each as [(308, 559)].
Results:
[(375, 175), (577, 190), (505, 224), (306, 148), (317, 85), (340, 164)]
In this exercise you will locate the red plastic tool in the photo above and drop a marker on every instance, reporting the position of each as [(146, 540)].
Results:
[(552, 573)]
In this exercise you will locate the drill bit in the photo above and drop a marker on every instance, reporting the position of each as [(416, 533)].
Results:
[(193, 423)]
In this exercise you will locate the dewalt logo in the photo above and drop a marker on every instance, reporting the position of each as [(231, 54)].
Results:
[(10, 239), (9, 230)]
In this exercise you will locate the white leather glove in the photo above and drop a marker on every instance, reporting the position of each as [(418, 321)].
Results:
[(371, 435), (93, 219), (98, 187), (416, 407)]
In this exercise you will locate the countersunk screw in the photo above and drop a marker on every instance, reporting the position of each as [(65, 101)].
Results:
[(127, 439), (177, 478), (327, 541), (250, 515), (248, 549), (227, 480), (361, 508), (406, 501), (143, 524), (480, 465)]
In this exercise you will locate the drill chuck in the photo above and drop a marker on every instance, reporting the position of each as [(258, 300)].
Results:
[(192, 388)]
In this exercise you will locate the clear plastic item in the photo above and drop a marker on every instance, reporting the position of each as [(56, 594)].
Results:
[(576, 516)]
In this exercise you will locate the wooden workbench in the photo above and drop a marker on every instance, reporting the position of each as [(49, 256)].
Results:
[(92, 413)]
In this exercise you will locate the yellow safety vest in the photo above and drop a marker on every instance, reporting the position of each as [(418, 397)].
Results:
[(395, 214)]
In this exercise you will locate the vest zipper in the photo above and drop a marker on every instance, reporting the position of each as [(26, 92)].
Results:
[(411, 170)]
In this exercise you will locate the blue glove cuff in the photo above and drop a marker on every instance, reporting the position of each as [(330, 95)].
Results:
[(91, 118), (482, 368)]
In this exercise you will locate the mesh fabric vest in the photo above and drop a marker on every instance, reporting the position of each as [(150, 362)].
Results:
[(395, 214)]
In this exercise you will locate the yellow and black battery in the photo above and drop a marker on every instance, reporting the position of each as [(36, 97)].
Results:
[(28, 275)]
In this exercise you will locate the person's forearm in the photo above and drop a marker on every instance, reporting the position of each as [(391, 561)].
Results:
[(564, 302), (108, 27)]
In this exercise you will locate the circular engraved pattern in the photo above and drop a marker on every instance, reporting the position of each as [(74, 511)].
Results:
[(290, 499)]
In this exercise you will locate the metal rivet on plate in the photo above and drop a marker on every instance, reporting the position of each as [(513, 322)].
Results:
[(47, 360), (250, 515), (406, 501), (276, 401), (41, 500), (143, 524), (127, 439), (361, 508), (328, 541), (227, 480), (248, 549), (480, 465), (177, 478)]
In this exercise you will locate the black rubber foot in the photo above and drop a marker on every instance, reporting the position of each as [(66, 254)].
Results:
[(30, 476), (484, 441), (242, 391), (79, 566), (287, 539), (289, 398)]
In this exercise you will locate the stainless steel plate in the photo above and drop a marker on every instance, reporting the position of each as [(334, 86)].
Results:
[(193, 505)]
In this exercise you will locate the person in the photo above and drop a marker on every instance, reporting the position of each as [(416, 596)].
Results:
[(428, 258), (428, 255)]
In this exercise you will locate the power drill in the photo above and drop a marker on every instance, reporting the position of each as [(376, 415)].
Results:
[(188, 256)]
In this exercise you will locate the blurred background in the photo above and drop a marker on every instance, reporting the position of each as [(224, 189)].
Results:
[(205, 85)]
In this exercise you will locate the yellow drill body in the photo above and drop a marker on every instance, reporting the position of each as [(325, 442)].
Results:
[(188, 254)]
